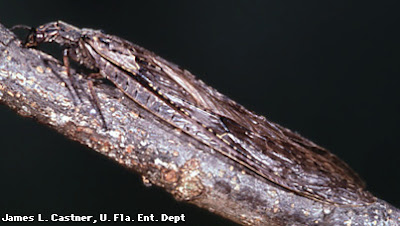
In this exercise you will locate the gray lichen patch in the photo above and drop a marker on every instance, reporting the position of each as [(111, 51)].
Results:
[(189, 185)]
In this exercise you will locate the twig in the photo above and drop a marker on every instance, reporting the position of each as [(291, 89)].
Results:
[(35, 85)]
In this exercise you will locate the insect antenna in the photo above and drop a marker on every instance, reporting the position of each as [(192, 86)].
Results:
[(22, 27)]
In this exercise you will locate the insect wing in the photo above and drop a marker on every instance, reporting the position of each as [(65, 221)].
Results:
[(286, 158), (271, 151)]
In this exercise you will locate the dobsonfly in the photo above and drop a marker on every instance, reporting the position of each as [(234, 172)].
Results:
[(174, 95)]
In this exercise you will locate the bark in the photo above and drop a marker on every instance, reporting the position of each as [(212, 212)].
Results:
[(35, 85)]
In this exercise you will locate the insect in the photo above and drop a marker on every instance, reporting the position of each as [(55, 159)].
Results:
[(175, 96)]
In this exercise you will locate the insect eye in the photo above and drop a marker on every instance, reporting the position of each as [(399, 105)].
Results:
[(34, 39), (39, 37)]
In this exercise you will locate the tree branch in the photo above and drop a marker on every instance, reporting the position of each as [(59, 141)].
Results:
[(35, 85)]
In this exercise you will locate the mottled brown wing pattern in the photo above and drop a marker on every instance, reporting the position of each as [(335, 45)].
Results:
[(280, 155), (302, 166), (266, 149)]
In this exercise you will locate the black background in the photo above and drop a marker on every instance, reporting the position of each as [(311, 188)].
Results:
[(327, 70)]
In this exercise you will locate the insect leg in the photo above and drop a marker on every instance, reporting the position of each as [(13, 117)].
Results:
[(74, 85), (93, 97), (96, 103)]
